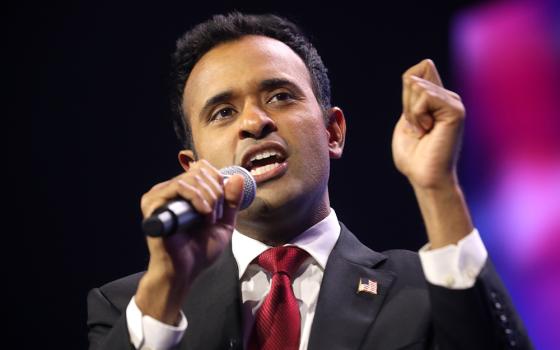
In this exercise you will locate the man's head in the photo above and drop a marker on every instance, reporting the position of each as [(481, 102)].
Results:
[(251, 100), (220, 29)]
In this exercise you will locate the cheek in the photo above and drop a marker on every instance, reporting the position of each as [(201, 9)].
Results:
[(312, 133), (214, 149), (311, 142)]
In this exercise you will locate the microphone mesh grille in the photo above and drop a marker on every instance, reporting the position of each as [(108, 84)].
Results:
[(249, 184)]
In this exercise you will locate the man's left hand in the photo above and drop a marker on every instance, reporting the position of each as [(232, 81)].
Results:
[(427, 137), (426, 144)]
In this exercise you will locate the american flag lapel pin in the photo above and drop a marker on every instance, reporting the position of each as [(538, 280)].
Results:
[(365, 285)]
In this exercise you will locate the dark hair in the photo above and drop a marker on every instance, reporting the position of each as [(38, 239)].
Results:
[(223, 28)]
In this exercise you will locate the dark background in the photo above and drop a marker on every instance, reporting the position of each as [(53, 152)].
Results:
[(93, 133)]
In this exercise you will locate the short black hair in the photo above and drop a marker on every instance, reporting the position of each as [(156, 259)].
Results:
[(224, 28)]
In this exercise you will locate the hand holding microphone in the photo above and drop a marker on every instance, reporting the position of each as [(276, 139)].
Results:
[(179, 214), (185, 232)]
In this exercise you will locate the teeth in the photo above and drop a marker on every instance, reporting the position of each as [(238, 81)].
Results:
[(264, 154), (263, 169)]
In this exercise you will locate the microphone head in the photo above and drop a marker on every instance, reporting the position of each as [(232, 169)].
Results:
[(249, 184)]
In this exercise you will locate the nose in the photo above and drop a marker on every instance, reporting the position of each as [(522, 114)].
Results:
[(255, 123)]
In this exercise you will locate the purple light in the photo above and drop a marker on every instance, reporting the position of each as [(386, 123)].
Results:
[(507, 57)]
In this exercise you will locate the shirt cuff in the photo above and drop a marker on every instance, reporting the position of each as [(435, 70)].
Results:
[(147, 333), (455, 266)]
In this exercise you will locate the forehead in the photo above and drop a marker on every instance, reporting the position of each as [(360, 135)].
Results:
[(242, 64)]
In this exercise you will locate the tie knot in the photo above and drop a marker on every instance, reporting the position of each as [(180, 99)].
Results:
[(282, 259)]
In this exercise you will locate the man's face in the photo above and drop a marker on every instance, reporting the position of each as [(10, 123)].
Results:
[(250, 103)]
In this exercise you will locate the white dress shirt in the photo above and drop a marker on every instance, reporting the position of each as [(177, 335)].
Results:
[(318, 241), (453, 266)]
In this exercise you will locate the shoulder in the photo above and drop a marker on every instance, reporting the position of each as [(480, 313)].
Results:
[(398, 258), (403, 259), (405, 264), (118, 292)]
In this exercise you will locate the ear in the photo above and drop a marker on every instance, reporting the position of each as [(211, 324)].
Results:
[(186, 157), (336, 131)]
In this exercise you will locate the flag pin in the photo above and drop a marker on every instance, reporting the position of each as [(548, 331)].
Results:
[(366, 285)]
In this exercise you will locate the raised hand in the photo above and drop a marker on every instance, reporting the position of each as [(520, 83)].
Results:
[(427, 137), (426, 143)]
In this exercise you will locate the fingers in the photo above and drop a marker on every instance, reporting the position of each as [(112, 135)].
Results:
[(422, 101), (425, 100), (233, 195), (202, 186), (415, 106), (425, 69)]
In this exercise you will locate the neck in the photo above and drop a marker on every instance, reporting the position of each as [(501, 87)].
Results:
[(279, 226)]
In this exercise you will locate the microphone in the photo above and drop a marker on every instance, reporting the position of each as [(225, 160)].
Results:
[(179, 214)]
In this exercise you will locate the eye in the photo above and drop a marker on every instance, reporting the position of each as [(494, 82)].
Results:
[(222, 114), (281, 97)]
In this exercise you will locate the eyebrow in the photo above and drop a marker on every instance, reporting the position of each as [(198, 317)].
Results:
[(265, 85), (275, 83), (215, 100)]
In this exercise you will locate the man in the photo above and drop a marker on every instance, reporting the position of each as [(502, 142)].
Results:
[(252, 91)]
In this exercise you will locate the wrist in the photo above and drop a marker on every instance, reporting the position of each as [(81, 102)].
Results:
[(161, 293), (440, 185), (444, 190), (445, 213)]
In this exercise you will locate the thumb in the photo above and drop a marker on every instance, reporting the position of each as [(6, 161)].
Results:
[(233, 194)]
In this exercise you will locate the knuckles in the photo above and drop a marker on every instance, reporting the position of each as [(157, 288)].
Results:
[(144, 200), (197, 184), (427, 95), (186, 189)]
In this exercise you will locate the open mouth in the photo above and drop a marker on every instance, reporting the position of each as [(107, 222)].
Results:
[(266, 164)]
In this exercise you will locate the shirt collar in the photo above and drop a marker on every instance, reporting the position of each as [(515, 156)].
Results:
[(318, 241)]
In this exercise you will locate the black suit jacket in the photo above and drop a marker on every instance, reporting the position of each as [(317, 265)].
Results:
[(407, 312)]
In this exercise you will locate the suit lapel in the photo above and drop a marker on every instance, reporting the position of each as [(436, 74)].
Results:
[(213, 308), (343, 316)]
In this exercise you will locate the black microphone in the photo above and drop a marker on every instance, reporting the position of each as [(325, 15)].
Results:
[(179, 214)]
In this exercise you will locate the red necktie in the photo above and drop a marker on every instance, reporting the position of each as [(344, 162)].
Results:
[(277, 322)]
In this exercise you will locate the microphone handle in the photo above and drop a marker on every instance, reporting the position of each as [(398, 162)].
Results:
[(180, 214), (170, 218)]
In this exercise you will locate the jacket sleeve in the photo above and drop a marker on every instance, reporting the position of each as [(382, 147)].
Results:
[(107, 328), (480, 317)]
